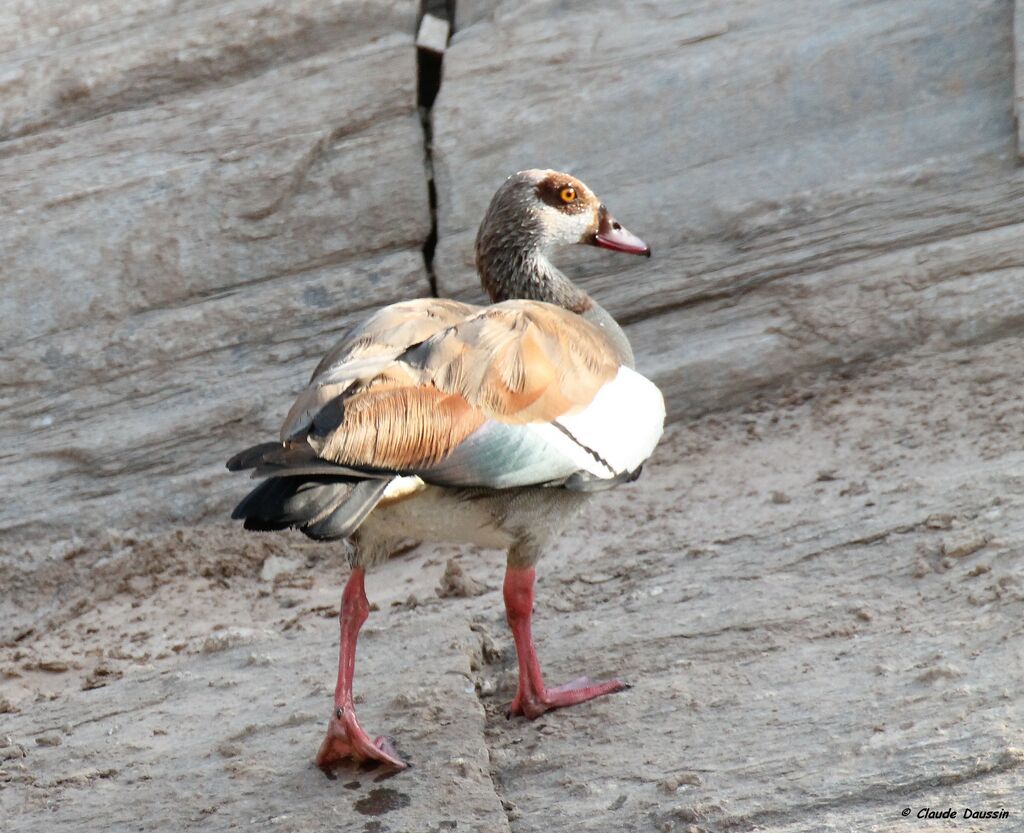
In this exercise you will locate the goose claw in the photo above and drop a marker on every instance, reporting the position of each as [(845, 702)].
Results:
[(346, 740)]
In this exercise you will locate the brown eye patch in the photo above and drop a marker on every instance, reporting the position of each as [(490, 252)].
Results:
[(562, 193)]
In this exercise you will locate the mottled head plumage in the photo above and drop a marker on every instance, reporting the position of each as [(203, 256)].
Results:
[(532, 213)]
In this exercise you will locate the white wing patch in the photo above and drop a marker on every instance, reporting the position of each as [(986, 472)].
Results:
[(613, 435), (620, 427)]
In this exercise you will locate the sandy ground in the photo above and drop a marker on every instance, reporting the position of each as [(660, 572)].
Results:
[(818, 600)]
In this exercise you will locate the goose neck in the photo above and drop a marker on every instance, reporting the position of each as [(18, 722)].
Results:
[(529, 275)]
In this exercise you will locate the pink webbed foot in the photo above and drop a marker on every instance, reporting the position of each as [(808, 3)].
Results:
[(346, 740), (345, 737), (534, 698), (533, 704)]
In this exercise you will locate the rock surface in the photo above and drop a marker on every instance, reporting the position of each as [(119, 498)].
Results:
[(198, 202), (202, 197), (822, 182), (815, 590), (811, 665)]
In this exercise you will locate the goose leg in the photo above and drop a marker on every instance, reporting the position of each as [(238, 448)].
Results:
[(345, 737), (533, 699)]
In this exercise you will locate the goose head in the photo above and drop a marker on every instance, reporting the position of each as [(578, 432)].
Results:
[(532, 214)]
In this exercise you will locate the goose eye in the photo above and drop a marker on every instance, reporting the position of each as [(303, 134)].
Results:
[(568, 194)]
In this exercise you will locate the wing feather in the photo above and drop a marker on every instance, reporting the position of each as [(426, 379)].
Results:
[(399, 428), (461, 395), (367, 351)]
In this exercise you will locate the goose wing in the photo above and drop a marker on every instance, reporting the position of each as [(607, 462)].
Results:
[(368, 349), (518, 393)]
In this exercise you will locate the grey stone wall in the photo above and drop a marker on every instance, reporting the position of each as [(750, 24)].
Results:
[(199, 197), (822, 182)]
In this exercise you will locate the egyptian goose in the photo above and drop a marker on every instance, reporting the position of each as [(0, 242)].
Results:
[(442, 421)]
